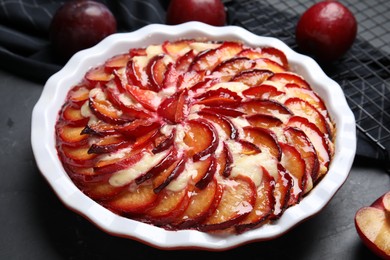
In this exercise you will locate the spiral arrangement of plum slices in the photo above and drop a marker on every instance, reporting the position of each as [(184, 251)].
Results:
[(195, 134)]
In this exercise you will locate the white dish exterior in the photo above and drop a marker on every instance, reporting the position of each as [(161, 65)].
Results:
[(46, 110)]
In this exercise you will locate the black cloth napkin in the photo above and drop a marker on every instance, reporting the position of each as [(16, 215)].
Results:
[(24, 31)]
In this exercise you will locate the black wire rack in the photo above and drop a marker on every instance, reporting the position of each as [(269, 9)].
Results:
[(363, 73)]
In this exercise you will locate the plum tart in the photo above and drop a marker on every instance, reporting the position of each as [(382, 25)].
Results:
[(195, 134)]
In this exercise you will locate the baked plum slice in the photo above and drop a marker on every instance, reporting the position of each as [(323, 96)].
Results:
[(237, 201), (201, 137)]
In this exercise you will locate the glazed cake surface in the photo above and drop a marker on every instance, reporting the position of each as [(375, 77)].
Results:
[(195, 134)]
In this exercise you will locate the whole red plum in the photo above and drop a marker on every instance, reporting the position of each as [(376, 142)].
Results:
[(326, 31), (80, 24), (211, 12)]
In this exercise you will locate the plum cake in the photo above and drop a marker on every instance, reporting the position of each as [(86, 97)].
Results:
[(215, 136)]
